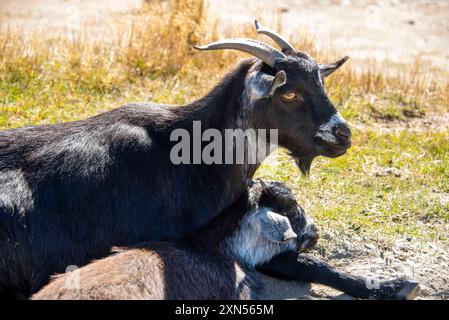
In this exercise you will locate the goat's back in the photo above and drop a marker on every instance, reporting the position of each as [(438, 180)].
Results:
[(60, 185)]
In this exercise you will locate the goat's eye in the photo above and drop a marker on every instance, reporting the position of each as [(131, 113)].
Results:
[(289, 95)]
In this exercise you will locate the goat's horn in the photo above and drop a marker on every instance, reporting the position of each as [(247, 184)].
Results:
[(284, 44), (263, 51)]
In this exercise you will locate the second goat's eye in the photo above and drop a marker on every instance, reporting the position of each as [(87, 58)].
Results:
[(289, 95)]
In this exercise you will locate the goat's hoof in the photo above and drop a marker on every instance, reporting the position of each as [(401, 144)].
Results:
[(408, 291), (398, 289)]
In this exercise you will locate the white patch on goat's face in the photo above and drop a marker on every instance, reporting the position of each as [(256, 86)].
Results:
[(275, 227), (325, 131), (309, 224), (251, 246)]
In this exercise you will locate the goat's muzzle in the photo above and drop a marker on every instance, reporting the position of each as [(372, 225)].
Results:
[(333, 138), (309, 238)]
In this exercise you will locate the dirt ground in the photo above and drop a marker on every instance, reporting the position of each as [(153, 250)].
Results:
[(396, 30), (425, 262)]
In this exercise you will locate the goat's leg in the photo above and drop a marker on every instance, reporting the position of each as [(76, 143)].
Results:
[(305, 267)]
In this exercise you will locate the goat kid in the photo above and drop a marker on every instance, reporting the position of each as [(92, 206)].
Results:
[(219, 261)]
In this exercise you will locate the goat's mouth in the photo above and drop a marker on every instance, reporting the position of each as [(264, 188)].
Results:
[(308, 243), (331, 150)]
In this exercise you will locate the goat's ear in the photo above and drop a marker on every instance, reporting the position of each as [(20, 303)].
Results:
[(278, 81), (263, 86), (275, 227), (329, 68), (265, 188), (263, 184)]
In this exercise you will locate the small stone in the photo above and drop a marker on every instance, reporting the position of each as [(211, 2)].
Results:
[(370, 246)]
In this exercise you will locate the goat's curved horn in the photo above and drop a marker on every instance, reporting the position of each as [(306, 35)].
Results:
[(263, 51), (284, 44)]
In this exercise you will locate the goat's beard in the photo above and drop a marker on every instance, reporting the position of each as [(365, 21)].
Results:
[(304, 162), (303, 156)]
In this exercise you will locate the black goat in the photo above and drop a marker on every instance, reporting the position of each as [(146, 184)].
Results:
[(68, 192), (218, 261)]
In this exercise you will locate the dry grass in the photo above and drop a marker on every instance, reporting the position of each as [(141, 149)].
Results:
[(150, 58)]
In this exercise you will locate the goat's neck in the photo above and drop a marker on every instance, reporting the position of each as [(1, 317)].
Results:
[(226, 107)]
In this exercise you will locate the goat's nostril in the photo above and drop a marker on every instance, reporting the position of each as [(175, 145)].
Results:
[(343, 132)]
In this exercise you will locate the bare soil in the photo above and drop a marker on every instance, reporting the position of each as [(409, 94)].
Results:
[(430, 122), (396, 30)]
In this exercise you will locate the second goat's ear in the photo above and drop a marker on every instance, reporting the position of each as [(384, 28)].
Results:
[(329, 68), (275, 227)]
